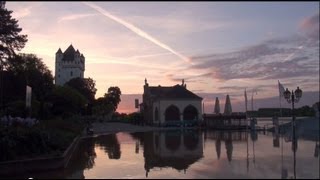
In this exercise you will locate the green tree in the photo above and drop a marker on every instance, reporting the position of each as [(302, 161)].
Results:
[(113, 96), (10, 39), (85, 86)]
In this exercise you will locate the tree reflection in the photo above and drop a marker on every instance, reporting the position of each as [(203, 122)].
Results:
[(82, 158), (109, 143)]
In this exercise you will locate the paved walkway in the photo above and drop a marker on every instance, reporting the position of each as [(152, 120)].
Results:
[(114, 127)]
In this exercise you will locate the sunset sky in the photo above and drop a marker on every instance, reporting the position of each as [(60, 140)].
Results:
[(217, 47)]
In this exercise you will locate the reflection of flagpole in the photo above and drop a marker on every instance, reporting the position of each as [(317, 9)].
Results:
[(254, 157), (246, 105), (281, 155), (247, 151)]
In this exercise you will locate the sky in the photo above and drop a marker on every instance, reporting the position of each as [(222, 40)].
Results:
[(218, 48)]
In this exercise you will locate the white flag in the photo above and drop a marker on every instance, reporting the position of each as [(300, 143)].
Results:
[(281, 89)]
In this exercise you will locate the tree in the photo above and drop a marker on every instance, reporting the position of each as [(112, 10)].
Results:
[(22, 70), (102, 107), (66, 101), (36, 74), (85, 86), (10, 40), (113, 96)]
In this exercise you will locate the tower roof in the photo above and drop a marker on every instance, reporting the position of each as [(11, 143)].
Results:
[(68, 54), (59, 51)]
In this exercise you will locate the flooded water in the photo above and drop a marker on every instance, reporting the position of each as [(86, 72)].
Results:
[(190, 154)]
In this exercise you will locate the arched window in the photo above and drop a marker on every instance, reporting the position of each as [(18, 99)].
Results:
[(172, 113), (190, 113), (71, 73)]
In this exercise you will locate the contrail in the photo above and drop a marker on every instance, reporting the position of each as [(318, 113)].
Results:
[(292, 54), (136, 30)]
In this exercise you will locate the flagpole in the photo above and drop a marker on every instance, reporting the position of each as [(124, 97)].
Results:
[(245, 96), (280, 106)]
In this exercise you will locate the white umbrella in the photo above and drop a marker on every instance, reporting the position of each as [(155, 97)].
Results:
[(227, 107), (217, 106)]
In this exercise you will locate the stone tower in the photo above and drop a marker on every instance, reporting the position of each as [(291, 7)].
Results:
[(69, 64)]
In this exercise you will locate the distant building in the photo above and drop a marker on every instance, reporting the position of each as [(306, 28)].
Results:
[(69, 64), (170, 105)]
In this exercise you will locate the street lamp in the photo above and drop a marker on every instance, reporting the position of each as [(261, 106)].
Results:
[(293, 98)]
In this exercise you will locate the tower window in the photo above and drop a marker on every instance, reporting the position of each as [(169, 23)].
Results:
[(71, 73)]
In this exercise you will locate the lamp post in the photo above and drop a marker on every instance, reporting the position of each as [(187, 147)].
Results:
[(293, 98)]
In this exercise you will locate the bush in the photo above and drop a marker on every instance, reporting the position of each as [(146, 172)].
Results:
[(49, 137)]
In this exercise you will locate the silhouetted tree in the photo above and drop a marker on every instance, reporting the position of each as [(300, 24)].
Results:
[(66, 101), (36, 74), (10, 40), (102, 107), (113, 96), (27, 69), (86, 86)]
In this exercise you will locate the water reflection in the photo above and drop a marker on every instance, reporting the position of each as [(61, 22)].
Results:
[(110, 144), (176, 149), (228, 137), (191, 154), (85, 157)]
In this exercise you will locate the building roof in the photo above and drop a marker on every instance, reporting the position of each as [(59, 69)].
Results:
[(174, 92), (68, 54)]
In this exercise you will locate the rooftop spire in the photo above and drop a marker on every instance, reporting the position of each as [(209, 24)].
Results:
[(59, 51)]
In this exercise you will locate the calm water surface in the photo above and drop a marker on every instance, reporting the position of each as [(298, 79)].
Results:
[(190, 154)]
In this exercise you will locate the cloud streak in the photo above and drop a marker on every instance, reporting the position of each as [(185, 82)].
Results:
[(136, 30), (277, 58), (75, 17)]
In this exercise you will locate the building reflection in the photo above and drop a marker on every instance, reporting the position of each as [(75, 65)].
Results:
[(176, 149)]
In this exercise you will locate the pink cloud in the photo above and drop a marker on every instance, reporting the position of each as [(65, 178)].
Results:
[(310, 26)]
